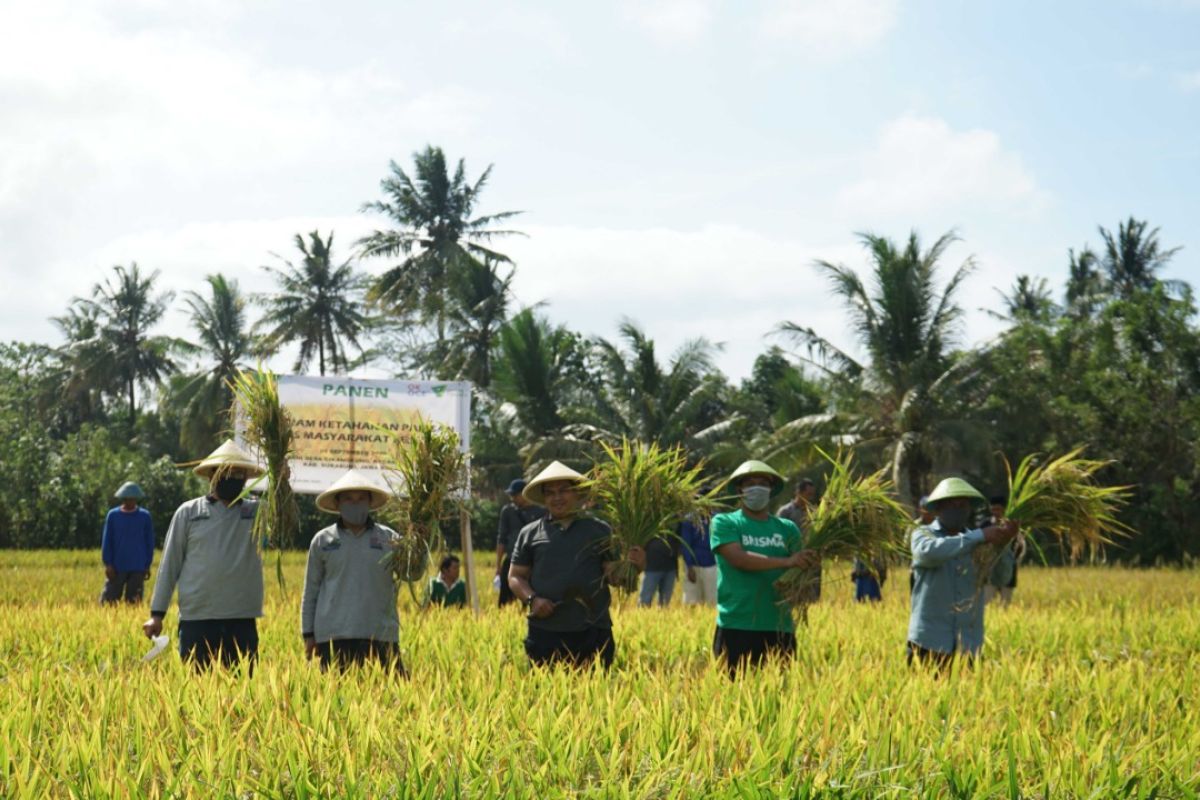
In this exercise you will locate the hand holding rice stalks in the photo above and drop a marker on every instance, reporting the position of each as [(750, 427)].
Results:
[(430, 470), (643, 491), (268, 431), (857, 517), (1060, 497)]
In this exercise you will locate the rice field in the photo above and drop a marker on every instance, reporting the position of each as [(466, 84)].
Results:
[(1088, 688)]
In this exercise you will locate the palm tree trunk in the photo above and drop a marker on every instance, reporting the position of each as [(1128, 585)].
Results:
[(321, 353), (132, 407)]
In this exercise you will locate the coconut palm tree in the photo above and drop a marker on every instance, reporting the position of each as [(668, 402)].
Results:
[(121, 354), (1029, 300), (1133, 257), (906, 400), (436, 234), (225, 342), (319, 305), (476, 317)]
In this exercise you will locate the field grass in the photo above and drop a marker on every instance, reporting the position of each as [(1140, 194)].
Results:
[(1088, 688)]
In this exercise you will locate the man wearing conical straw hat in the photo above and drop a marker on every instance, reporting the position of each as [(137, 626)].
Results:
[(348, 610), (754, 548), (211, 556), (561, 568), (947, 607)]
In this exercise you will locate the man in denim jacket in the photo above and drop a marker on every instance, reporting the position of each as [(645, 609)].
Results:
[(947, 602)]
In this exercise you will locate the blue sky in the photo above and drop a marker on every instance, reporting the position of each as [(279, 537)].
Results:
[(681, 162)]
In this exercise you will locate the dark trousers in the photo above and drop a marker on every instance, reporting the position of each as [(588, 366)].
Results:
[(576, 648), (345, 653), (228, 640), (506, 594), (127, 584), (740, 649), (940, 662)]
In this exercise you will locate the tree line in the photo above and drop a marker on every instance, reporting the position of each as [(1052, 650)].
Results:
[(1110, 360)]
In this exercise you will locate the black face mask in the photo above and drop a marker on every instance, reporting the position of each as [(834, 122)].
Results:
[(954, 519), (228, 489)]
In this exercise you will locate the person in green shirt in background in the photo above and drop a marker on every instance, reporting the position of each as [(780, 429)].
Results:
[(753, 549), (446, 588)]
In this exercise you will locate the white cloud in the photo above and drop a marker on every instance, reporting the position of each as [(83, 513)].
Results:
[(919, 164), (670, 21), (828, 28), (1190, 81)]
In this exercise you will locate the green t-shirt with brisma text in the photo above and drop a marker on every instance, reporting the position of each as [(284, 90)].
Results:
[(748, 600)]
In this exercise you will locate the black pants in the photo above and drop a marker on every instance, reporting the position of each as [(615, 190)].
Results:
[(939, 661), (229, 640), (127, 584), (345, 653), (576, 648), (506, 594), (740, 649)]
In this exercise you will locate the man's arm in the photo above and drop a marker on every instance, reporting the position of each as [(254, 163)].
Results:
[(106, 542), (148, 533), (739, 558), (170, 565), (314, 574), (518, 581)]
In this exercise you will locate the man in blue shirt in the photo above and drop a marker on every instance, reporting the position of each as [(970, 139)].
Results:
[(947, 602), (701, 584), (127, 547)]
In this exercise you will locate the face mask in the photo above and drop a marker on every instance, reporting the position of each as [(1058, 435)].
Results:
[(355, 513), (954, 519), (756, 498), (228, 489)]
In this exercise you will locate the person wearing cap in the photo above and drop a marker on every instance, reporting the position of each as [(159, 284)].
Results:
[(996, 507), (513, 517), (447, 588), (126, 547), (348, 608), (212, 558), (797, 509), (753, 549), (947, 609), (562, 565)]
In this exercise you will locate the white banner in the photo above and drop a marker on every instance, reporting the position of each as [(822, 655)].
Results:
[(336, 422)]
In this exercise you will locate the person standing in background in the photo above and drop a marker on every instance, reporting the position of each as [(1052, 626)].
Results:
[(662, 570), (515, 515), (700, 584), (797, 510), (126, 547)]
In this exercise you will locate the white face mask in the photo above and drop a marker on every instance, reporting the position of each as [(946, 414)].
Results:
[(756, 498)]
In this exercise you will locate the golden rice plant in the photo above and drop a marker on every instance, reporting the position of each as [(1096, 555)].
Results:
[(430, 478), (643, 491), (1060, 497), (268, 431), (857, 517)]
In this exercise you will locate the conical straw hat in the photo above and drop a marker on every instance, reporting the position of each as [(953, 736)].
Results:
[(352, 481), (762, 468), (955, 487), (228, 456), (557, 471)]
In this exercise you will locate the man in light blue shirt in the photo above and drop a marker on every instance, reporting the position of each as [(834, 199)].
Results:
[(947, 603)]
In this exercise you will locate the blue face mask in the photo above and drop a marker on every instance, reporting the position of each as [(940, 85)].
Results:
[(756, 498), (954, 519), (355, 513)]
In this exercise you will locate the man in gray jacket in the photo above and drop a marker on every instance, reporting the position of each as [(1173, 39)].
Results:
[(211, 556)]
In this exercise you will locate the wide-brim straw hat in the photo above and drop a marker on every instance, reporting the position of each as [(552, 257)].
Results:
[(353, 481), (557, 471), (762, 468), (130, 491), (955, 487), (228, 456)]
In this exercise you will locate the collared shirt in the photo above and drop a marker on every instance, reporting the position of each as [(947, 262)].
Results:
[(211, 556), (568, 568), (947, 601), (348, 594)]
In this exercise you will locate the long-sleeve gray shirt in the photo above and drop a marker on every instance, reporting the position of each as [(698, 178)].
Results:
[(211, 556), (348, 594)]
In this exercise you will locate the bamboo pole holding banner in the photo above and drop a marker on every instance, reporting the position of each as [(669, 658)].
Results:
[(464, 529)]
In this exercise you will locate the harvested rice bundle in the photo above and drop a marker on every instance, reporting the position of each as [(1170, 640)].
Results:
[(268, 430), (430, 476), (1061, 497), (857, 517), (643, 491)]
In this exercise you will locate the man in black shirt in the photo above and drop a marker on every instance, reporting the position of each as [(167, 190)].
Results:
[(513, 517), (561, 568)]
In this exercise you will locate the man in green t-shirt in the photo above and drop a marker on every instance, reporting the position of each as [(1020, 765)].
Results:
[(753, 548)]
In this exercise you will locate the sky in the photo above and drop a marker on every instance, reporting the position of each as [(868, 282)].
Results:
[(681, 163)]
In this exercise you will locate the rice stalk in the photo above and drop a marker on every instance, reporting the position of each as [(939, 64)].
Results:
[(429, 477), (857, 517), (643, 491), (268, 432)]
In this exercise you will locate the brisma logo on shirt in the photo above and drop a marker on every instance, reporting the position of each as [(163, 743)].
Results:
[(763, 541)]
